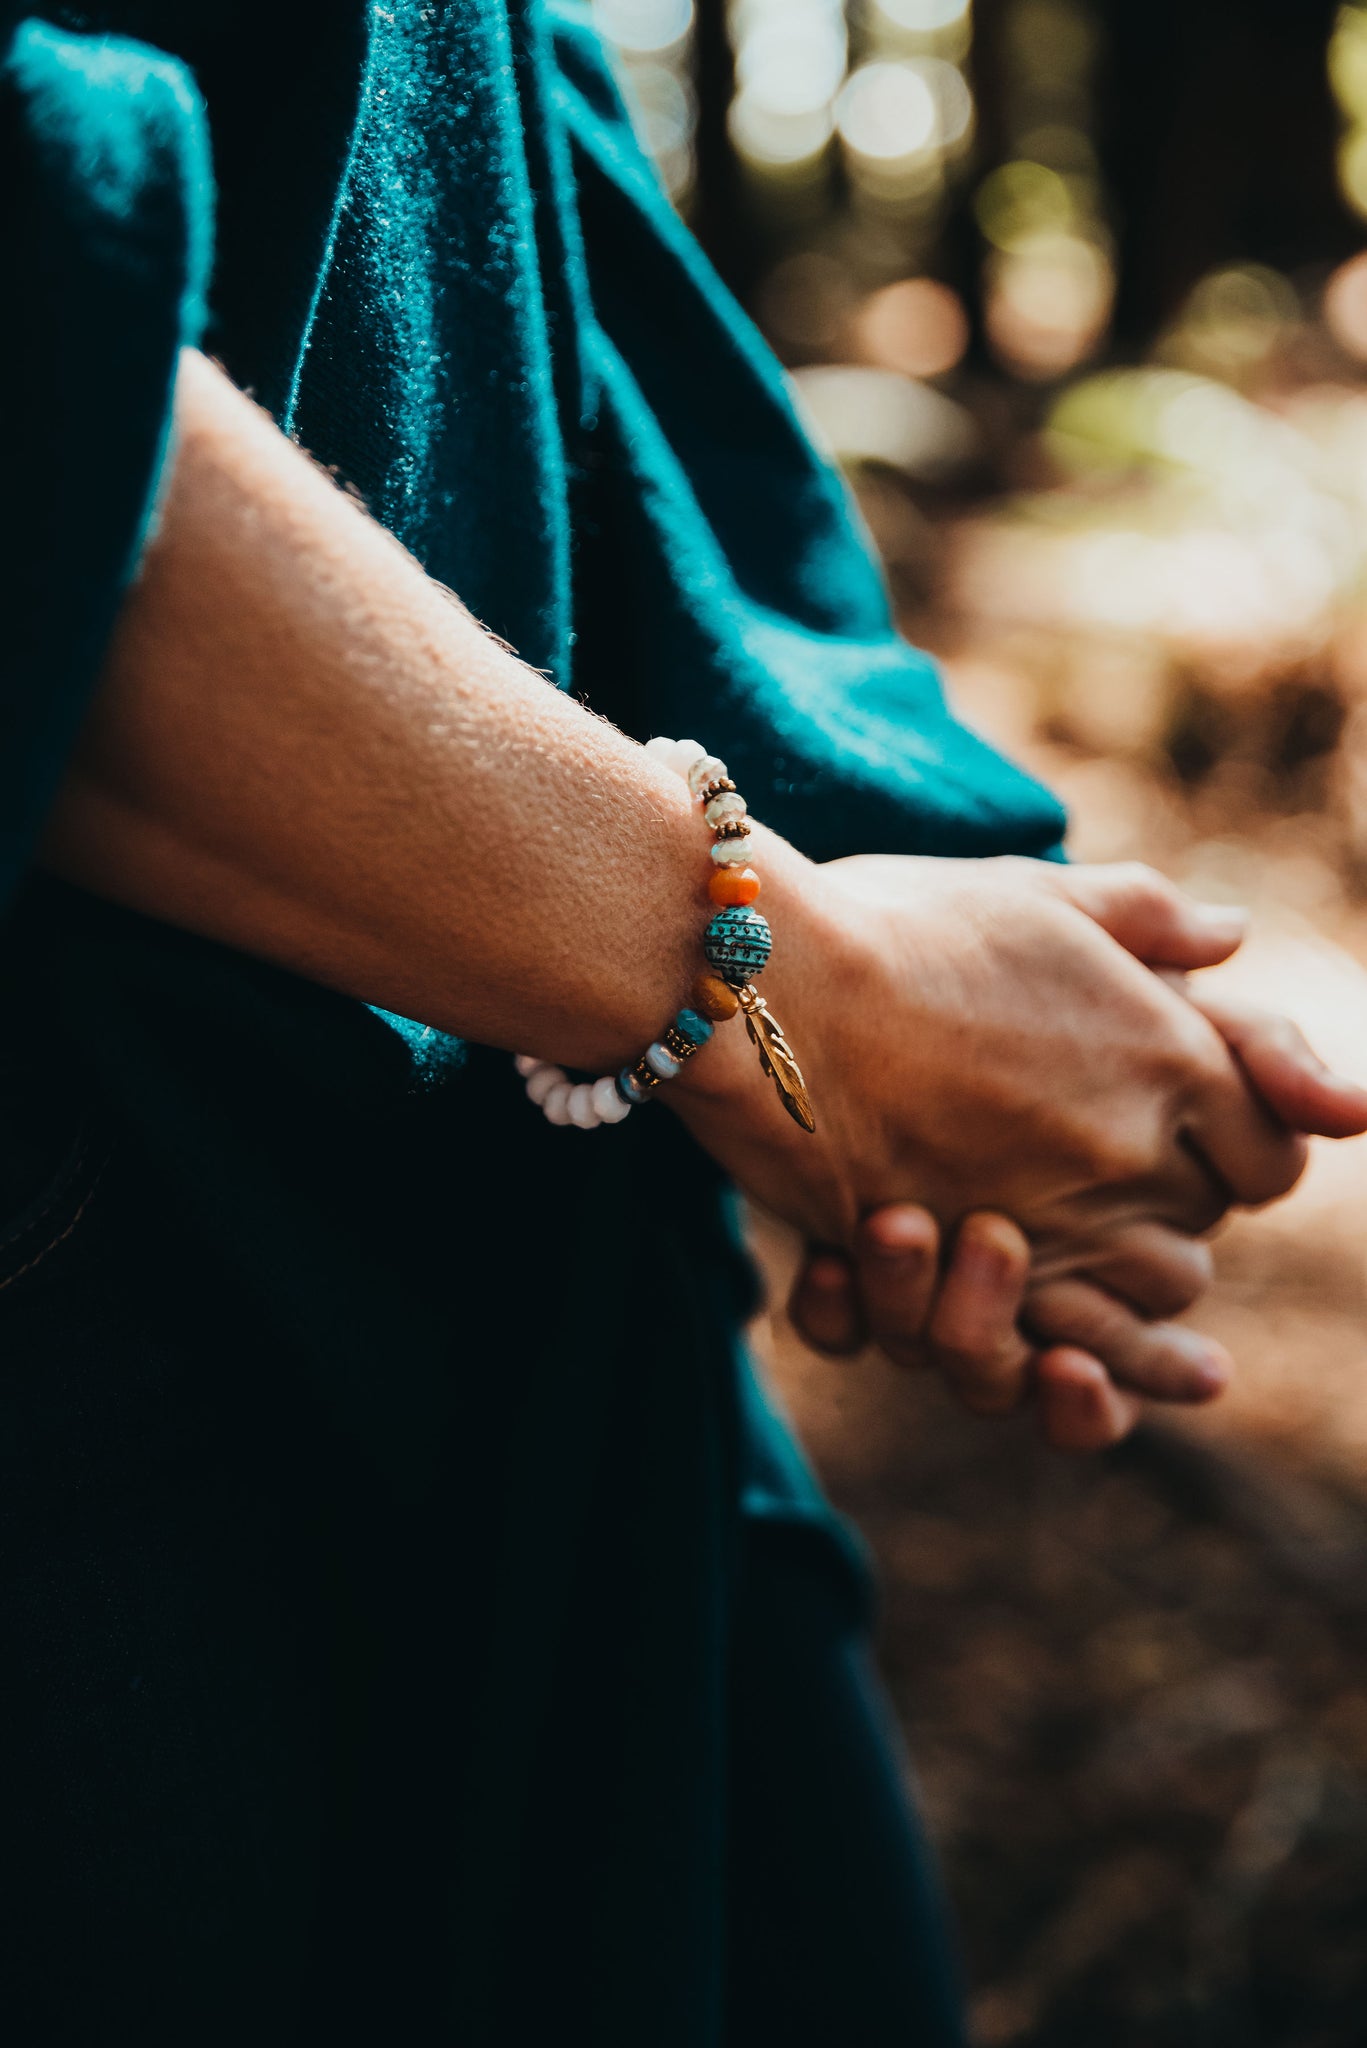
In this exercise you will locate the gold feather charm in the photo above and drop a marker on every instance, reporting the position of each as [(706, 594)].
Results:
[(776, 1056)]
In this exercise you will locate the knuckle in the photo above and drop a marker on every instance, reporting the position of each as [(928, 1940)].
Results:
[(1128, 1148), (1144, 884), (1190, 1051), (1183, 1284), (1281, 1170)]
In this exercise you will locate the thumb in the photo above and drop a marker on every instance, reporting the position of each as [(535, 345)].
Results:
[(1283, 1069), (1150, 917)]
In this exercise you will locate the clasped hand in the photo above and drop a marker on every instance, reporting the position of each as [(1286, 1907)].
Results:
[(1028, 1120)]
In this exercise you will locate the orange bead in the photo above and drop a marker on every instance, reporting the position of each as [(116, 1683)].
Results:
[(730, 886), (715, 998)]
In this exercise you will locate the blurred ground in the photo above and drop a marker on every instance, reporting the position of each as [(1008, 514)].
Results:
[(1136, 1693)]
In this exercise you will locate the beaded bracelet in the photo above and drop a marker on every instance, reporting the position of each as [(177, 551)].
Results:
[(737, 943)]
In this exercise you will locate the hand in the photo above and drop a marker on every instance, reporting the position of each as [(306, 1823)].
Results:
[(976, 1036), (1103, 1352), (966, 1323)]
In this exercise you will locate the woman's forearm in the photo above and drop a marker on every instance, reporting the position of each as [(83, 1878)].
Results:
[(304, 748)]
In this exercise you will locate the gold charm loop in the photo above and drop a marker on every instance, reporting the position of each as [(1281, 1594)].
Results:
[(776, 1056)]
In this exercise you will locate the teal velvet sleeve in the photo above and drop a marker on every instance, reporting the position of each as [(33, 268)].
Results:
[(105, 221)]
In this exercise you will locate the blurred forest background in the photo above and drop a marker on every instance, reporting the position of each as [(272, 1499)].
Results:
[(1077, 292)]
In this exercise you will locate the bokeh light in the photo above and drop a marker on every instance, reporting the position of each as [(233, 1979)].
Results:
[(1020, 200), (1345, 306), (654, 40), (876, 416), (1048, 302), (888, 112), (644, 25), (1233, 321), (790, 62), (1348, 61), (666, 116), (924, 17), (916, 326)]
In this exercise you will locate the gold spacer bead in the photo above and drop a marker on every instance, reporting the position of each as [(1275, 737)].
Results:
[(734, 828), (721, 787)]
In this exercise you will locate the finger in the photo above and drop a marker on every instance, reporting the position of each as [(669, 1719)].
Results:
[(1289, 1076), (824, 1305), (1152, 918), (1158, 1271), (1256, 1156), (1080, 1408), (1230, 1130), (1161, 1360), (897, 1253), (973, 1335)]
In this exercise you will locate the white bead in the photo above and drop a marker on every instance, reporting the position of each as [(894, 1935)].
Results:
[(731, 853), (709, 769), (662, 749), (527, 1064), (686, 752), (582, 1111), (608, 1103), (661, 1061), (540, 1084), (556, 1107), (730, 804)]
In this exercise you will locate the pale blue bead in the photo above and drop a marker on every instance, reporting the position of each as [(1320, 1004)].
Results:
[(695, 1028), (630, 1089), (661, 1061)]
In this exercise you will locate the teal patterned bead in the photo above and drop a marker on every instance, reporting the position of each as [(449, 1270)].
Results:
[(630, 1089), (738, 942)]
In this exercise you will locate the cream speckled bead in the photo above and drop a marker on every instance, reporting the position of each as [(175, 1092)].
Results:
[(556, 1107), (608, 1103), (581, 1107), (708, 769), (730, 804), (541, 1080), (731, 853)]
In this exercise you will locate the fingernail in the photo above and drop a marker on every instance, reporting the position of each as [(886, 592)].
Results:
[(896, 1234), (980, 1263), (1214, 1368), (1229, 919)]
